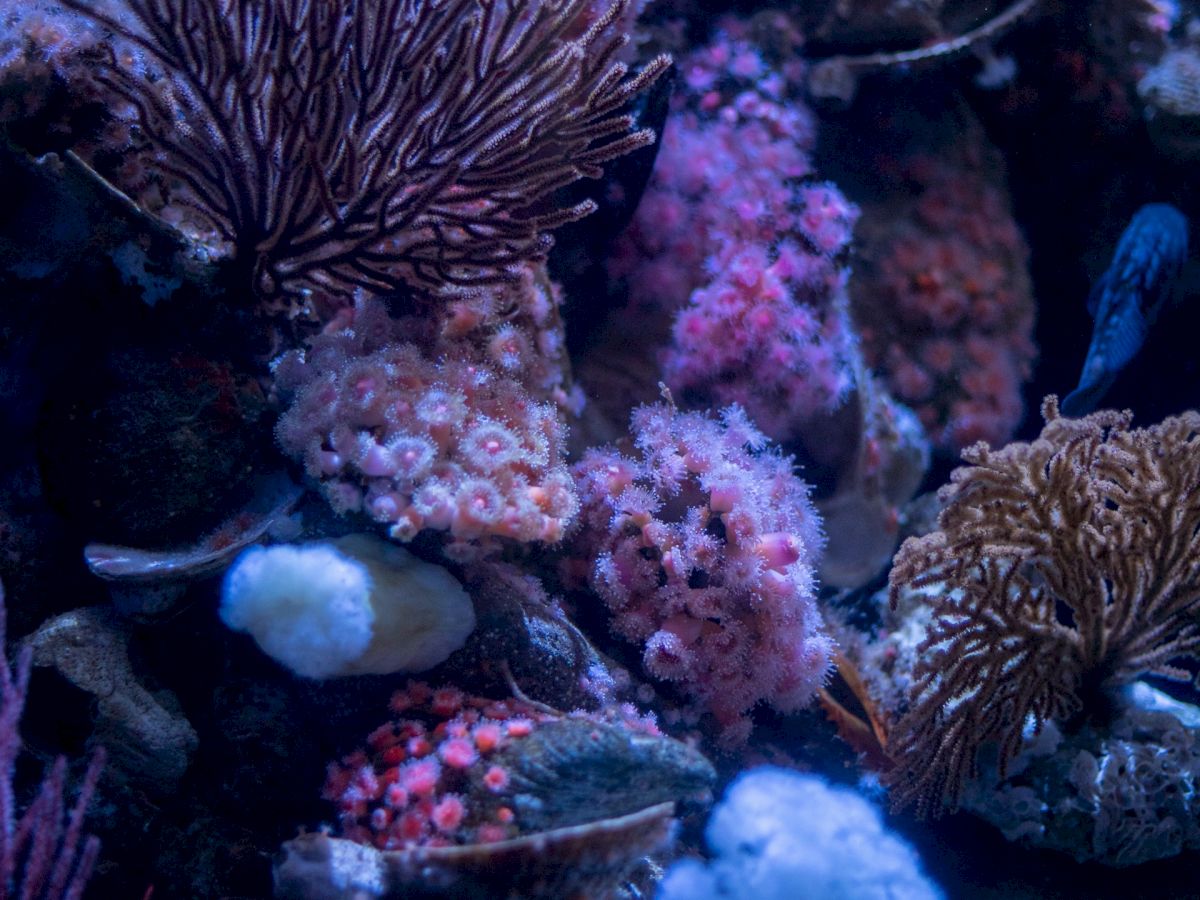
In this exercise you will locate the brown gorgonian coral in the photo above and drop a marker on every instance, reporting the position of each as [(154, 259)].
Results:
[(1060, 570), (373, 144)]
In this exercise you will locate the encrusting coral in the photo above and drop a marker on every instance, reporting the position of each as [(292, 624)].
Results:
[(417, 444), (1121, 792), (468, 796), (1061, 569), (462, 769)]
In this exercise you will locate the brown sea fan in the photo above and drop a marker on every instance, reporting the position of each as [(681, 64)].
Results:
[(1060, 570)]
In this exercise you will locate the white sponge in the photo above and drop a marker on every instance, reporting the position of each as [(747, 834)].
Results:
[(355, 606), (780, 834)]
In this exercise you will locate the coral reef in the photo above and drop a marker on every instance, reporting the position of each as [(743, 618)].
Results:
[(316, 370), (592, 860), (836, 77), (505, 783), (524, 633), (143, 412), (147, 742), (148, 584), (515, 328), (863, 515)]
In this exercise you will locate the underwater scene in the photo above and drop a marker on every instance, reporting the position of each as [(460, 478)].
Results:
[(628, 449)]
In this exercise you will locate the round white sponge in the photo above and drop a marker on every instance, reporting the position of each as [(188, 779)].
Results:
[(355, 606)]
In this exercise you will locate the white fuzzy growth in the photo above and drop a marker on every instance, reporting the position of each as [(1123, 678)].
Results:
[(780, 835), (307, 605), (356, 606)]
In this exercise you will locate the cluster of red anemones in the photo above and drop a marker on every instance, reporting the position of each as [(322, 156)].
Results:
[(421, 780), (943, 300)]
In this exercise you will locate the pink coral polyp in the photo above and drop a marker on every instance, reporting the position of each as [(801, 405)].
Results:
[(704, 546), (423, 445), (744, 257)]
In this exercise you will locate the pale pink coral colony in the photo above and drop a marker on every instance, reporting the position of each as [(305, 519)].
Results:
[(450, 446), (704, 545)]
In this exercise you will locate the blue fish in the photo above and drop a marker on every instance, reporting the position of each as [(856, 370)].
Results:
[(1128, 298)]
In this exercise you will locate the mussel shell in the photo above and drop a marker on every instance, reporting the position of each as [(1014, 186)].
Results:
[(589, 860)]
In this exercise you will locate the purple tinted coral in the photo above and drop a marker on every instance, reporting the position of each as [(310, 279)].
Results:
[(705, 544), (376, 144), (730, 240)]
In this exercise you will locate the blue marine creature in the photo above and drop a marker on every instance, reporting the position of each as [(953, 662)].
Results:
[(1128, 298)]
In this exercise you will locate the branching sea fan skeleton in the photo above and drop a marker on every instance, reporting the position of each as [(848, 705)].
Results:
[(377, 144), (1062, 569)]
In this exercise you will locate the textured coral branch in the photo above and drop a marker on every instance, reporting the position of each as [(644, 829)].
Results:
[(373, 143), (1061, 569)]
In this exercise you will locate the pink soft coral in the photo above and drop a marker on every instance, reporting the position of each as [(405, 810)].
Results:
[(731, 241), (417, 444), (705, 545)]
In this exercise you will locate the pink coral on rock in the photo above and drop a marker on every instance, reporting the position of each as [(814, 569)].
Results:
[(413, 784), (942, 292), (731, 240), (458, 769), (705, 544), (451, 445), (516, 328)]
